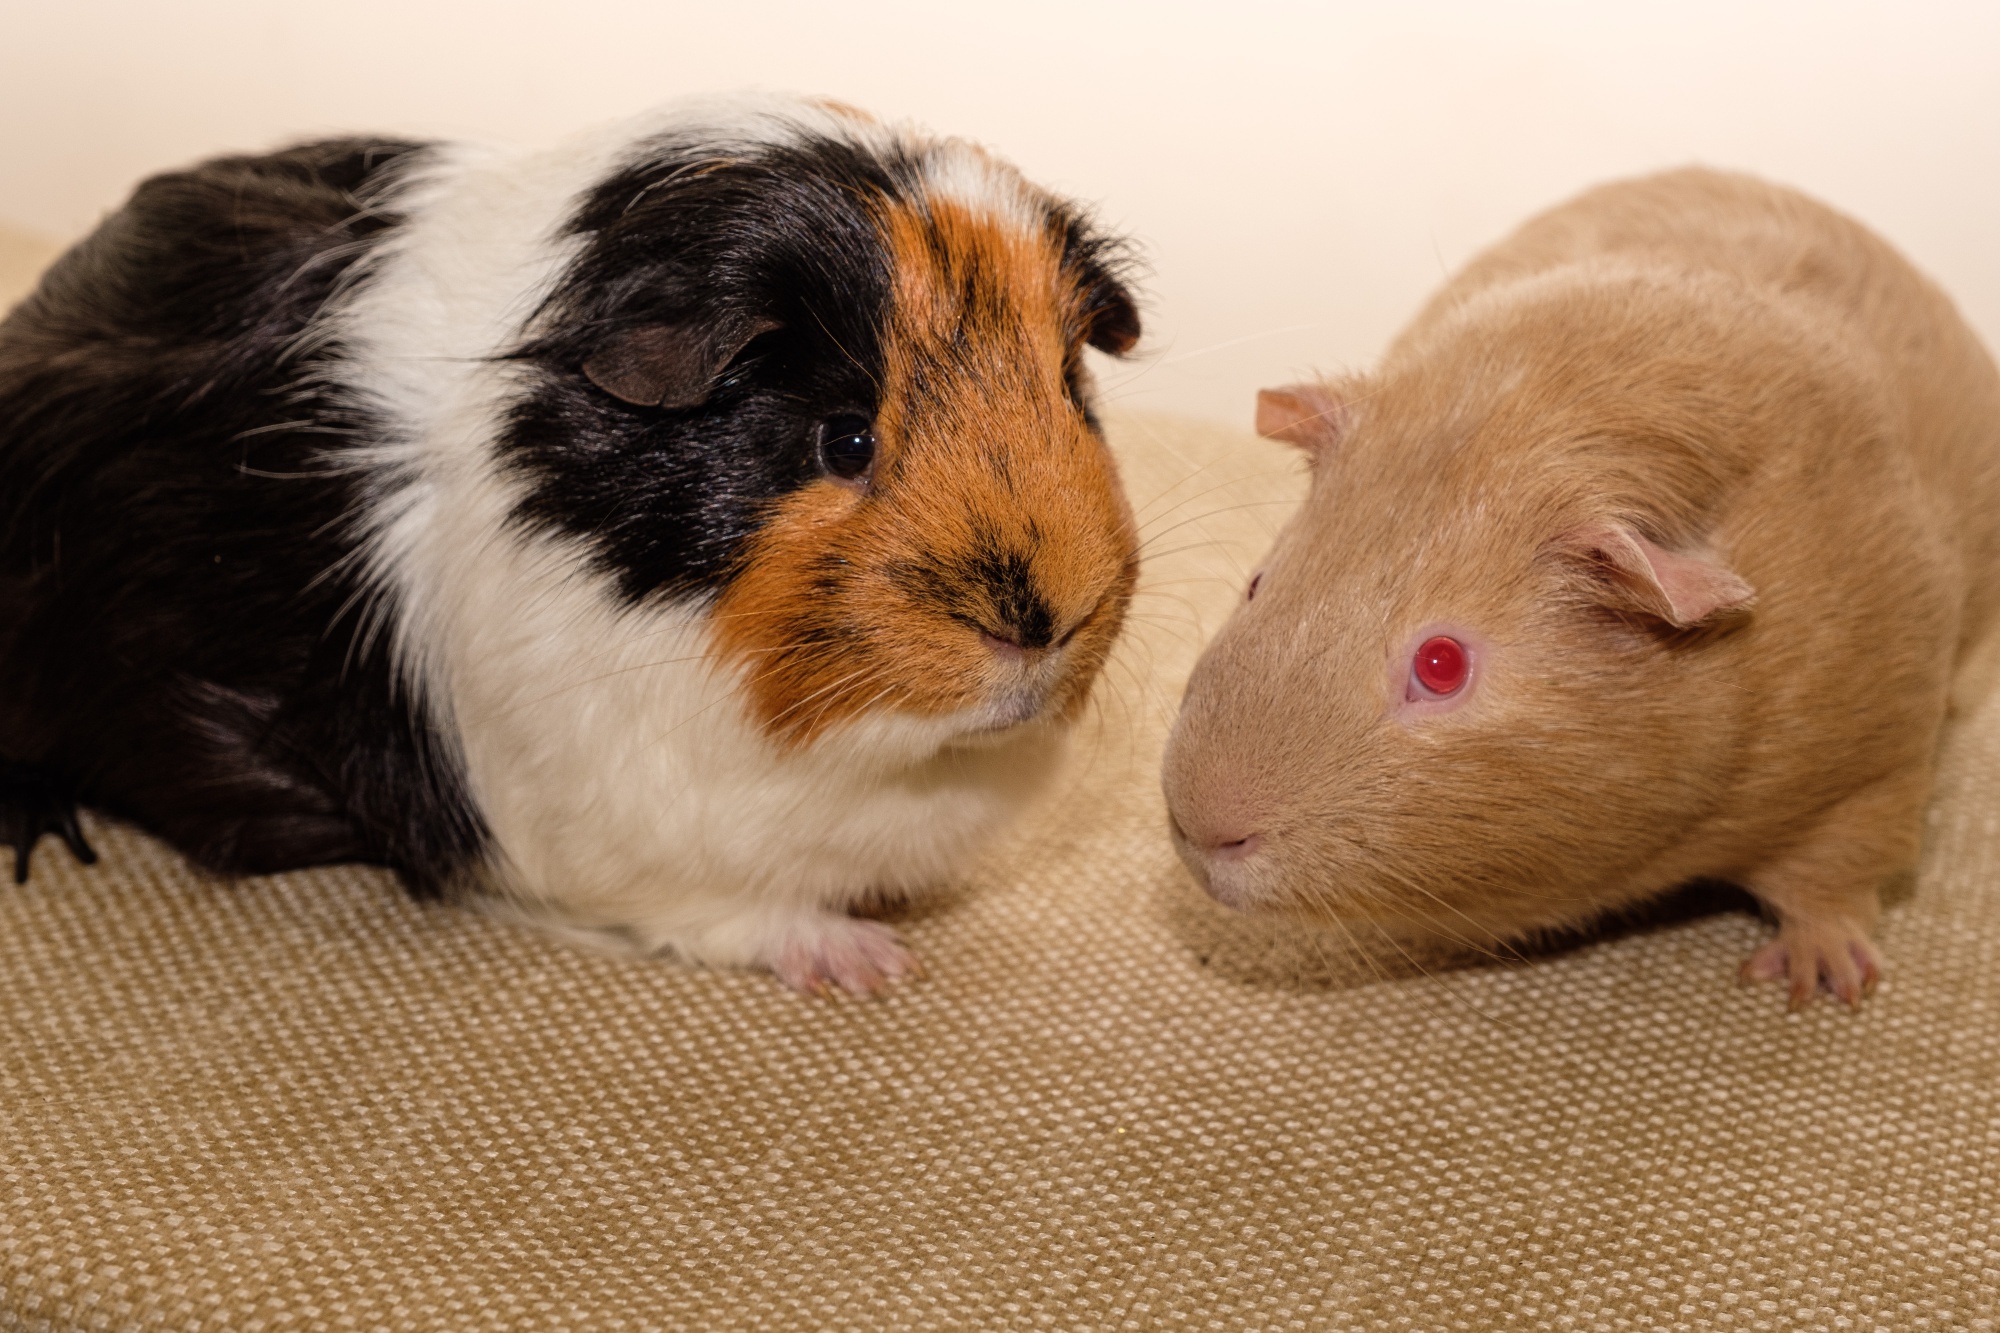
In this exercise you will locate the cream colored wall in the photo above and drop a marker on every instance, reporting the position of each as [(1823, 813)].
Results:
[(1300, 174)]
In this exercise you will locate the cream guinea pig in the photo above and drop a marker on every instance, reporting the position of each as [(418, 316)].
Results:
[(680, 535), (1648, 555)]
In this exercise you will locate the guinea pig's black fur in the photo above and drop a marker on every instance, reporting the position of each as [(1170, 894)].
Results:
[(228, 443), (179, 630)]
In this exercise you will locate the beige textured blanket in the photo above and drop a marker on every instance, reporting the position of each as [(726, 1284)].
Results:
[(304, 1102)]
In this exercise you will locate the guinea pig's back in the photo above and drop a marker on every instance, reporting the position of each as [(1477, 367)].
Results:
[(1695, 218), (1937, 386)]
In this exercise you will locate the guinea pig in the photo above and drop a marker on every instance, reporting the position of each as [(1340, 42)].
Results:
[(680, 537), (1647, 556)]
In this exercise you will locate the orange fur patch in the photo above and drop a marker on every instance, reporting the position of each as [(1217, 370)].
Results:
[(994, 508)]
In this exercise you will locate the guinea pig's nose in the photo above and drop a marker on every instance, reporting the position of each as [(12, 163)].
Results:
[(1005, 641), (1217, 840), (1237, 849), (1221, 864)]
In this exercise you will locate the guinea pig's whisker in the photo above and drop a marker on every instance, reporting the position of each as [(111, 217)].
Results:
[(797, 704), (1186, 629), (773, 668), (1149, 694), (841, 347), (1153, 533), (864, 705), (1230, 550), (1173, 609), (1103, 701), (1188, 616), (1100, 757), (1474, 943), (829, 695), (648, 665), (1183, 550), (1355, 953), (1371, 959), (1444, 987), (1228, 343), (1402, 884), (819, 714), (1152, 585), (1144, 513), (1153, 537), (586, 681), (1417, 966), (1185, 501)]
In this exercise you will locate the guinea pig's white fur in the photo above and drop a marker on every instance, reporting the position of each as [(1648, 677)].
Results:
[(612, 759)]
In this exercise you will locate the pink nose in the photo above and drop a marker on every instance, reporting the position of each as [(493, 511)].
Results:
[(1236, 849), (1216, 839), (1221, 858)]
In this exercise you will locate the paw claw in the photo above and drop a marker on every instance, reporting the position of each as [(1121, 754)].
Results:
[(840, 954), (1833, 956), (1769, 963), (33, 804)]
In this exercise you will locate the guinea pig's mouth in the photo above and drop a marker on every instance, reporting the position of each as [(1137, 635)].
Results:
[(1000, 719), (1231, 871)]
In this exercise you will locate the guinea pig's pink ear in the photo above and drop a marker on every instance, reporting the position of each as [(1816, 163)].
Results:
[(1680, 588), (1311, 416), (668, 365)]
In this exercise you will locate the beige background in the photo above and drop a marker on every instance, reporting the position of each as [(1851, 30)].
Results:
[(1301, 174)]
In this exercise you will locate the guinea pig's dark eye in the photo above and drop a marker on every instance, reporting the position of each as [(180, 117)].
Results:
[(1250, 593), (847, 445), (1440, 666)]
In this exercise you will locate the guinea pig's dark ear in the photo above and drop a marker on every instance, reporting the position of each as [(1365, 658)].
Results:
[(668, 365), (1112, 318), (1106, 316), (1681, 588), (1311, 416)]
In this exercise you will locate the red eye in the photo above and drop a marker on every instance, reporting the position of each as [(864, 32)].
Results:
[(1440, 665)]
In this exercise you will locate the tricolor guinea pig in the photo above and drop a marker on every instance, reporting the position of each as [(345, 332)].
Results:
[(680, 536), (1648, 555)]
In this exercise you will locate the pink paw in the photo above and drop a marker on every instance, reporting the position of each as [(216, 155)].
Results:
[(841, 953), (1835, 956)]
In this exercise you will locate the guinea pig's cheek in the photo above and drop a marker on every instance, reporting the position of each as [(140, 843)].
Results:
[(1438, 670)]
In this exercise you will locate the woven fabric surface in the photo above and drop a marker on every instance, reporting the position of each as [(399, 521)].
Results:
[(305, 1102)]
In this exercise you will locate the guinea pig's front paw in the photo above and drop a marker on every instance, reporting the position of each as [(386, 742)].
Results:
[(831, 952), (1834, 955)]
